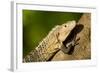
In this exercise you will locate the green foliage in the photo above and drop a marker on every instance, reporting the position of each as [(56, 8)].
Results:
[(37, 24)]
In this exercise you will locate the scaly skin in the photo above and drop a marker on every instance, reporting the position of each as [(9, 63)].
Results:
[(51, 43)]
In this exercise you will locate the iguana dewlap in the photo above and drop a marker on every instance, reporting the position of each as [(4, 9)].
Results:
[(51, 43)]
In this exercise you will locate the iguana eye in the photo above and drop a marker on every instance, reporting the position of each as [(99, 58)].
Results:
[(65, 26)]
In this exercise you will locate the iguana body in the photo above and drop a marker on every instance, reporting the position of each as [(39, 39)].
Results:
[(51, 43)]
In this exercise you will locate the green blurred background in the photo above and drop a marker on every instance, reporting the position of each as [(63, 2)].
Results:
[(37, 24)]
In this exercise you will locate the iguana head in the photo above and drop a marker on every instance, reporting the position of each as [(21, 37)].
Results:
[(65, 30)]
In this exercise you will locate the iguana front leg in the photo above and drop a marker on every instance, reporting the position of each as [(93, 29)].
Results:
[(59, 42)]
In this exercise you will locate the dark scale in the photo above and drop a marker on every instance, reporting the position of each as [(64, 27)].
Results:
[(46, 42), (42, 50), (30, 56), (36, 56), (39, 52)]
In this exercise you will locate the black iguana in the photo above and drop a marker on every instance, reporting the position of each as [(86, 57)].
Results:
[(51, 43)]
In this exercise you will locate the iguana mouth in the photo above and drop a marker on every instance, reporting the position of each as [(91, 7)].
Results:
[(72, 36), (78, 28)]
